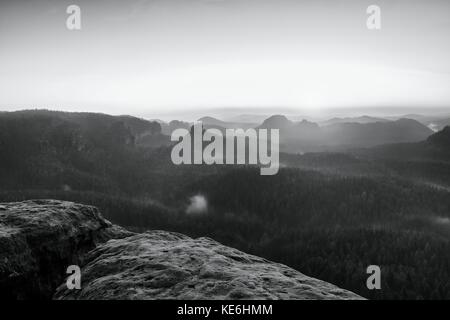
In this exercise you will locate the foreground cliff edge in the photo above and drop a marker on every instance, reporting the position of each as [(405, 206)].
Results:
[(39, 239)]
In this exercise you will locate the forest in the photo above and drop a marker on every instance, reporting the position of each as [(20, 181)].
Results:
[(328, 215)]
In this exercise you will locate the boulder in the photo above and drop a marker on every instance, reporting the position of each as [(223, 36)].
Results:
[(166, 265), (39, 239)]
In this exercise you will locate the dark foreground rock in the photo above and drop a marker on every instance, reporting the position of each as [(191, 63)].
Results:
[(39, 239), (164, 265)]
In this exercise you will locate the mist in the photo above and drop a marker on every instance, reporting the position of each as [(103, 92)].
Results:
[(198, 205)]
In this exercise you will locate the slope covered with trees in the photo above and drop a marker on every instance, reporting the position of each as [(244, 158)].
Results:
[(329, 215)]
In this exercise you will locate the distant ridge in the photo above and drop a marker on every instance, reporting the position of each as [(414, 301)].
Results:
[(304, 136), (363, 119), (441, 138)]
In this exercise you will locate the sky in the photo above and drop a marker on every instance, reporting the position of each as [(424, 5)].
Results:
[(155, 58)]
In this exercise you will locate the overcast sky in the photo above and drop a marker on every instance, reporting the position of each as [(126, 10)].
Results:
[(155, 57)]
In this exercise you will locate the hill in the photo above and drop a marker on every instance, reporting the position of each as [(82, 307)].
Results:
[(80, 150), (305, 136), (361, 119)]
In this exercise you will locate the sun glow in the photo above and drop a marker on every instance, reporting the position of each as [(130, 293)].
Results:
[(308, 85)]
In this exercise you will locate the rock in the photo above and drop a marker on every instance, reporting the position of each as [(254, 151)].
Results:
[(165, 265), (39, 239)]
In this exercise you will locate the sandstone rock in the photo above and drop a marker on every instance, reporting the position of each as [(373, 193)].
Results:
[(40, 238), (165, 265)]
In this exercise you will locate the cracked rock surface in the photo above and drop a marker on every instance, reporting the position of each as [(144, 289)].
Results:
[(39, 239), (166, 265)]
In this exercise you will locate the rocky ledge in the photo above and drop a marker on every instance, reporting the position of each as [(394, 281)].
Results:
[(164, 265), (39, 239)]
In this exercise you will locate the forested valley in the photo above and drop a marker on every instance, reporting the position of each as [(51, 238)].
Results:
[(329, 215)]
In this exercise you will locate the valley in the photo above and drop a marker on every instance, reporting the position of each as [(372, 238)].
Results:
[(329, 214)]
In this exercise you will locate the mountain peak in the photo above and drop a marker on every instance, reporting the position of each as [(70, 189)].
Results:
[(210, 120), (276, 121)]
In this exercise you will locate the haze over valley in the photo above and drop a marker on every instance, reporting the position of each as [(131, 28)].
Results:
[(377, 192)]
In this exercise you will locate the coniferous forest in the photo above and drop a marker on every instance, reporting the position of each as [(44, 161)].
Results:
[(328, 214)]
